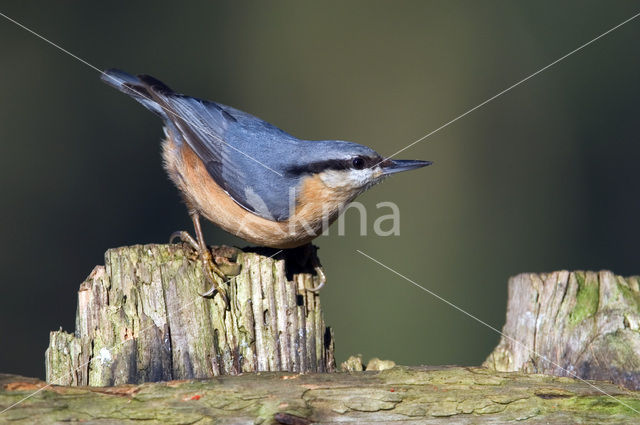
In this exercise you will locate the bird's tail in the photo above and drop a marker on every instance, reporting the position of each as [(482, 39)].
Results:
[(142, 88)]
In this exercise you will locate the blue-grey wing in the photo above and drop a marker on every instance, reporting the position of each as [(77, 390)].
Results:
[(243, 154)]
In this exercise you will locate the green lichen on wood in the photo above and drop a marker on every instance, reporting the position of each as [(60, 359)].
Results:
[(587, 297), (401, 394), (631, 291)]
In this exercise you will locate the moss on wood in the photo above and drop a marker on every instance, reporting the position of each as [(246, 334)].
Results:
[(401, 394)]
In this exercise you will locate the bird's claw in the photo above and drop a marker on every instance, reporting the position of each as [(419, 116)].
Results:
[(211, 271), (215, 287), (184, 237), (321, 277)]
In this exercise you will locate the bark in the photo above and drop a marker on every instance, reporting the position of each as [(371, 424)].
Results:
[(403, 395), (140, 319), (567, 323)]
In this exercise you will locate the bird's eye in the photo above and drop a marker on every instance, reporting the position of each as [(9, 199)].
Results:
[(358, 163)]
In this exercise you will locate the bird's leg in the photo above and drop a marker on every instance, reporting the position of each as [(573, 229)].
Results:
[(208, 267)]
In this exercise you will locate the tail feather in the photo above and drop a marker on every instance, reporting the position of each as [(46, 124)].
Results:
[(138, 88), (155, 84)]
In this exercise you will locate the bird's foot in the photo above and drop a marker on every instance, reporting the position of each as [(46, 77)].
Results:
[(214, 277), (212, 274)]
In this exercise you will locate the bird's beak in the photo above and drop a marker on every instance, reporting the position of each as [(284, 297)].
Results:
[(390, 166)]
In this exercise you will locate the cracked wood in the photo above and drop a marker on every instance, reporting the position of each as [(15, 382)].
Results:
[(582, 323), (140, 319)]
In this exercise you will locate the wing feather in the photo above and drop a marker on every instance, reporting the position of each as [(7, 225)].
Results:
[(239, 151)]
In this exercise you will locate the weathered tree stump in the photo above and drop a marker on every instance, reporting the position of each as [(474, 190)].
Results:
[(140, 318), (400, 395), (581, 323)]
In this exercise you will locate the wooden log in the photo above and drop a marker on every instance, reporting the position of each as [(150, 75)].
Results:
[(566, 323), (416, 395), (140, 319)]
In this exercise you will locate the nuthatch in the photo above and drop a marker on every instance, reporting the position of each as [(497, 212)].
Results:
[(249, 177)]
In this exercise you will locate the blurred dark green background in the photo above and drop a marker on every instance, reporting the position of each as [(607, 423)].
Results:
[(543, 178)]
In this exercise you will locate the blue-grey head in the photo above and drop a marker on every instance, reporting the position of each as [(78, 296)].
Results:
[(347, 166)]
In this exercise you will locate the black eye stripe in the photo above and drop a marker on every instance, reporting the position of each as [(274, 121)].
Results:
[(335, 164)]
